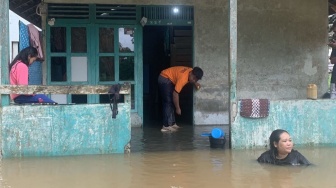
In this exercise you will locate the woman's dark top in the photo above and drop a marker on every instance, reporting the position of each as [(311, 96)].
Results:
[(293, 158)]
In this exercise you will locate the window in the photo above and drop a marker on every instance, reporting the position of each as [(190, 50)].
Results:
[(68, 60), (106, 58)]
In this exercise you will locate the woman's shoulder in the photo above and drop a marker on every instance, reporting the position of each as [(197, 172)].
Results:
[(265, 157), (20, 64), (265, 153), (298, 157)]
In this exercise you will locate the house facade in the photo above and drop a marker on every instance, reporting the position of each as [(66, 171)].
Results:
[(281, 48)]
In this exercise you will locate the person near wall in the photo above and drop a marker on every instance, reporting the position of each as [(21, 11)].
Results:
[(18, 75), (281, 151), (171, 81), (332, 44)]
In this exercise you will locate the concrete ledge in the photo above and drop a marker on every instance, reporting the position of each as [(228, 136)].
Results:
[(38, 130), (310, 122), (73, 89)]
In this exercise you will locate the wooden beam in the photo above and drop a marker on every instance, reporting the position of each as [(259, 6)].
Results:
[(75, 89), (332, 6)]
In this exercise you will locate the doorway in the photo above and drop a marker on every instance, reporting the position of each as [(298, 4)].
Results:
[(164, 47)]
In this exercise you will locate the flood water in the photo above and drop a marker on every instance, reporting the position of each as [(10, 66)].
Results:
[(179, 160)]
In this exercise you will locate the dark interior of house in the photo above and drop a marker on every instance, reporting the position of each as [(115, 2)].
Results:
[(163, 47)]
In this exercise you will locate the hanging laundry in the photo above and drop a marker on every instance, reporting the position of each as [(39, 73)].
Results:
[(35, 69), (34, 36), (23, 36), (114, 91)]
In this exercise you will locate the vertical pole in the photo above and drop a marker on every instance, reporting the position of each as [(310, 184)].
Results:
[(4, 47), (43, 12), (232, 62), (138, 95)]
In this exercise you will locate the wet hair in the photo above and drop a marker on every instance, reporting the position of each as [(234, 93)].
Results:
[(275, 137), (198, 72), (23, 56)]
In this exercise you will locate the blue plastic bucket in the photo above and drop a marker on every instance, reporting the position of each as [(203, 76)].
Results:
[(217, 133)]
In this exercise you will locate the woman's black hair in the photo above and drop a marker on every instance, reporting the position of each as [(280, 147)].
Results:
[(275, 137), (23, 56)]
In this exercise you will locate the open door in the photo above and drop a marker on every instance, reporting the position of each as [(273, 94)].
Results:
[(163, 47)]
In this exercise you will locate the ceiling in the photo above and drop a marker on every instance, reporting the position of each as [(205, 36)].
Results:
[(27, 9), (332, 7)]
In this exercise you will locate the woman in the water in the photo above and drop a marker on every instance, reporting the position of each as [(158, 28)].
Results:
[(281, 151)]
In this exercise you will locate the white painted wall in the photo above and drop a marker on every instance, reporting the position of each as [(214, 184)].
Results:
[(14, 29)]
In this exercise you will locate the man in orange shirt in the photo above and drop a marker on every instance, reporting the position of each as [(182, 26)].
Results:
[(171, 81)]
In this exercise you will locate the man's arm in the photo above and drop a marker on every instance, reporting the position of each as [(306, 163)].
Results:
[(176, 103)]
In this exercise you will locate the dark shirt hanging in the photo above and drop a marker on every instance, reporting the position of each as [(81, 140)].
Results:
[(114, 97)]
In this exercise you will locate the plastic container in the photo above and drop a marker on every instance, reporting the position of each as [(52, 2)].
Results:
[(312, 91), (217, 142), (216, 138), (217, 133)]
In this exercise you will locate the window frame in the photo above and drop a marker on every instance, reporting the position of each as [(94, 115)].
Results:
[(92, 55)]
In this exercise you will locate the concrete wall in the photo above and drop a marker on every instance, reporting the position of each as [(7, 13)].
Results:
[(281, 49), (309, 122), (40, 130)]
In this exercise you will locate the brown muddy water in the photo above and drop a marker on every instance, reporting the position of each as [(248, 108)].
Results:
[(179, 160)]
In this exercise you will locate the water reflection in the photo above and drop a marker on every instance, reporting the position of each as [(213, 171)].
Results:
[(174, 160), (154, 140), (88, 171), (279, 176), (187, 138)]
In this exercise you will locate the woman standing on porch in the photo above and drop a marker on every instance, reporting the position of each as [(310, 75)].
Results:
[(18, 75)]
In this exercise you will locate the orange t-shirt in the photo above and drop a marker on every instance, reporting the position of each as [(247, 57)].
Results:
[(178, 75)]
